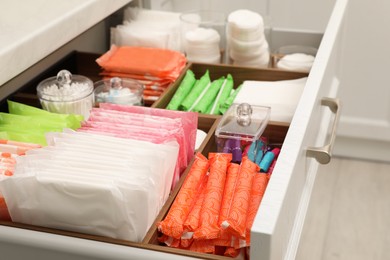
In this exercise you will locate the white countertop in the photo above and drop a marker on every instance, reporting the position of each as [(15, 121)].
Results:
[(31, 30)]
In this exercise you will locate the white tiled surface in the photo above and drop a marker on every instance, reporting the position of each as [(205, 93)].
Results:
[(349, 213)]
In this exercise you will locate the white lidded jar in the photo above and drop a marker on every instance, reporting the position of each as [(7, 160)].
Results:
[(66, 94)]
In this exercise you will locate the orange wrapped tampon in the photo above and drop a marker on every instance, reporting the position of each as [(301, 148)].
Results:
[(231, 178), (260, 182), (209, 214), (236, 221), (192, 221), (172, 225)]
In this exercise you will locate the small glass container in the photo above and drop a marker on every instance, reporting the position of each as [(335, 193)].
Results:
[(66, 94), (294, 57), (119, 91), (203, 36), (239, 127)]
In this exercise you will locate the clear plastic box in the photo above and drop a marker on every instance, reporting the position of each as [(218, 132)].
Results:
[(239, 127)]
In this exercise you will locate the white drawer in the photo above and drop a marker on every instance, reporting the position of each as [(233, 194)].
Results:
[(278, 224)]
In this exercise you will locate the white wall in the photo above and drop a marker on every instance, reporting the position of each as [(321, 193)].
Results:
[(306, 15)]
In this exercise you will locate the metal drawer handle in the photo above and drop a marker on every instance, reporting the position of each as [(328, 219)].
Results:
[(324, 154)]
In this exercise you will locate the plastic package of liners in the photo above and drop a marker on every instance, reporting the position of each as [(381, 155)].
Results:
[(188, 119), (155, 129), (150, 124), (111, 179)]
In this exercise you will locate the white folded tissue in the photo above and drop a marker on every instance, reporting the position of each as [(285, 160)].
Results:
[(93, 184), (282, 96)]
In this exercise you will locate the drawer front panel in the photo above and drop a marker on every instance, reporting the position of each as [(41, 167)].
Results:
[(279, 221)]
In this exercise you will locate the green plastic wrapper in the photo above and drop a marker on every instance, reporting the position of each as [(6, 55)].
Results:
[(199, 86), (208, 96), (229, 101), (182, 91), (30, 122), (71, 120), (223, 94), (28, 136)]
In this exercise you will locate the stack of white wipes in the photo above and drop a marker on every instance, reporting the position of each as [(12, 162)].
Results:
[(282, 96), (93, 184), (148, 28), (246, 40)]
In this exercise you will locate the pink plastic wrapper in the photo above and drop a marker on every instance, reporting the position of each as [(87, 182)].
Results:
[(125, 127), (189, 121), (147, 124)]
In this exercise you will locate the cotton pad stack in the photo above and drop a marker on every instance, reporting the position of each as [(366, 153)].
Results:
[(296, 61), (203, 35), (202, 45), (246, 40)]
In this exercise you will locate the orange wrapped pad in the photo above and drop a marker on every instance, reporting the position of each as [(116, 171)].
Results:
[(209, 214), (144, 61), (172, 225)]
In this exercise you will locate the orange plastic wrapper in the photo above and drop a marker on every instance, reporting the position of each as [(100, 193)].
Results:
[(169, 241), (20, 144), (172, 225), (260, 182), (232, 252), (202, 246), (162, 63), (231, 178), (209, 213), (236, 221), (4, 215), (192, 221)]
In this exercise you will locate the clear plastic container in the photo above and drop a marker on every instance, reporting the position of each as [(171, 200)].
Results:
[(203, 36), (66, 94), (239, 127), (119, 91), (294, 57)]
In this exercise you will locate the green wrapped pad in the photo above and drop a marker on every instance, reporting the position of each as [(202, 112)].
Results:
[(71, 120), (199, 86), (182, 91), (208, 95), (229, 101), (223, 94)]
